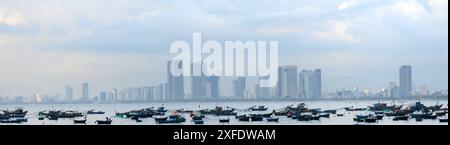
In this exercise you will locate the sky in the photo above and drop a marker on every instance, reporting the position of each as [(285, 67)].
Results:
[(46, 45)]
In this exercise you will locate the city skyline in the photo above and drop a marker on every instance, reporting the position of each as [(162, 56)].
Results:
[(46, 45), (293, 84)]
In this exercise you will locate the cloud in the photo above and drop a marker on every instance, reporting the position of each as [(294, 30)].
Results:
[(280, 30), (439, 7), (12, 20), (97, 38), (346, 4), (411, 8), (337, 30)]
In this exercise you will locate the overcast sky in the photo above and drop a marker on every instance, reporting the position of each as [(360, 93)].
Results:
[(46, 45)]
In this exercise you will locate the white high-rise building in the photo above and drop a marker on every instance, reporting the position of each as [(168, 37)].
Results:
[(175, 84), (287, 82), (391, 90), (310, 84), (239, 86), (85, 92), (69, 93)]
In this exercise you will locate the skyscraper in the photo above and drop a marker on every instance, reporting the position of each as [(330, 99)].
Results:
[(103, 97), (204, 86), (239, 85), (310, 84), (392, 90), (213, 82), (175, 85), (405, 81), (85, 92), (198, 85), (288, 82), (316, 84), (69, 93), (264, 93)]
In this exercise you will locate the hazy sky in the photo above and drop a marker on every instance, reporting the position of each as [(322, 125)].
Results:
[(48, 44)]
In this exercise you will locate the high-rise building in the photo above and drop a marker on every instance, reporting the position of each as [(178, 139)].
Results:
[(392, 89), (85, 92), (316, 83), (239, 86), (204, 86), (287, 82), (103, 97), (264, 93), (69, 93), (115, 95), (405, 81), (310, 84), (213, 83), (175, 85), (147, 93), (197, 84)]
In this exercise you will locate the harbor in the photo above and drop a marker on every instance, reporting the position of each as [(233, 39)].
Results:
[(407, 112)]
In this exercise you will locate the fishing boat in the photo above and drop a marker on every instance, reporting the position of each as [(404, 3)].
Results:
[(397, 113), (379, 116), (440, 113), (424, 115), (282, 112), (351, 109), (121, 115), (419, 119), (401, 118), (95, 112), (244, 118), (63, 114), (330, 111), (257, 118), (272, 119), (305, 117), (4, 117), (184, 111), (160, 118), (41, 117), (324, 115), (384, 107), (224, 120), (80, 120), (104, 122), (258, 108), (197, 118), (22, 119), (371, 119), (172, 119), (443, 120), (11, 121), (161, 109), (199, 122), (430, 116), (360, 118), (219, 111), (52, 118), (315, 117), (18, 113)]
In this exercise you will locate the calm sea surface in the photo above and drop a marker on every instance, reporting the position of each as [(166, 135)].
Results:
[(110, 110)]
